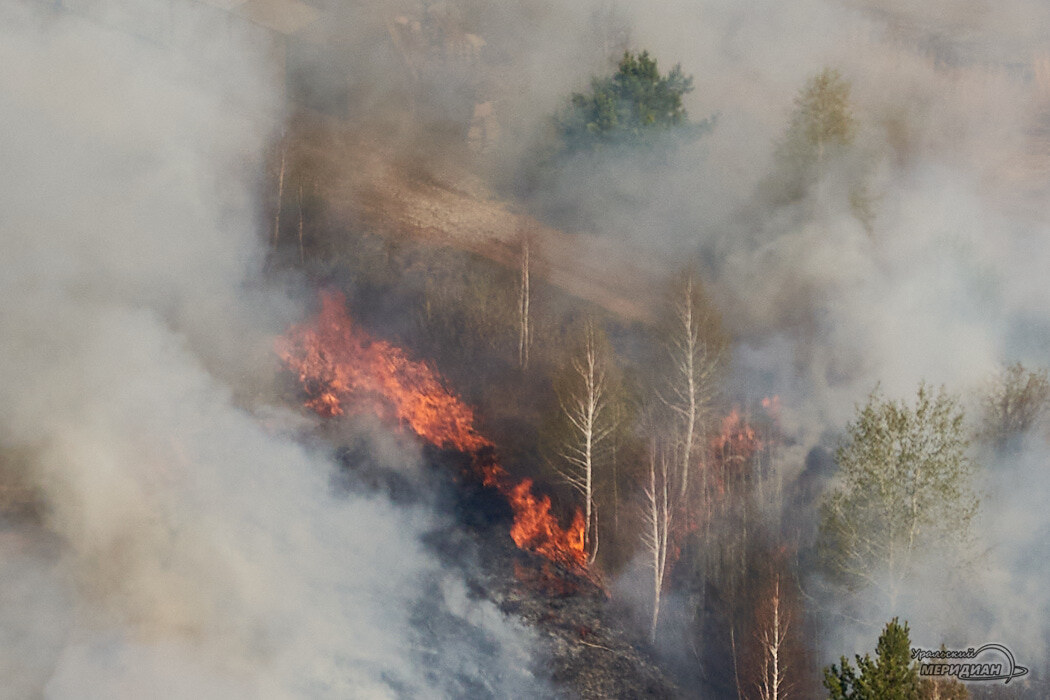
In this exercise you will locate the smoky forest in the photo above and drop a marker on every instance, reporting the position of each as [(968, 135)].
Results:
[(497, 349)]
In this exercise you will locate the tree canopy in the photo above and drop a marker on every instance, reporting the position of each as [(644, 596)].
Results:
[(822, 120), (631, 106), (1013, 403), (820, 134), (905, 489), (891, 675)]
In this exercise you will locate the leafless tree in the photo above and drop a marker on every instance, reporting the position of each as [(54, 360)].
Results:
[(1012, 403), (695, 351), (656, 535), (524, 301), (772, 638), (302, 256), (587, 411), (280, 194)]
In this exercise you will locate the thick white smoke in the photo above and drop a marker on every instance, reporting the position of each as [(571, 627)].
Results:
[(184, 546)]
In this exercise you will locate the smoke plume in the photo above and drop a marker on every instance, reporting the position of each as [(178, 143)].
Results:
[(174, 537)]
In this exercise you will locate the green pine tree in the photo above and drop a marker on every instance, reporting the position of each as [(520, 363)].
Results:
[(633, 106), (891, 675)]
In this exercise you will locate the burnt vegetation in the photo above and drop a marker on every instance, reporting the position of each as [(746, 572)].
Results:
[(641, 398), (703, 529)]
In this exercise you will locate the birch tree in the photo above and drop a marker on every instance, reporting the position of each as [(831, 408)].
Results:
[(280, 194), (657, 529), (299, 200), (524, 302), (587, 414), (695, 347), (905, 488), (819, 139), (822, 120), (772, 639)]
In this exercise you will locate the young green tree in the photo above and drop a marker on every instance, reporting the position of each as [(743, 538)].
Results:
[(820, 134), (905, 489), (822, 121), (632, 106), (890, 676)]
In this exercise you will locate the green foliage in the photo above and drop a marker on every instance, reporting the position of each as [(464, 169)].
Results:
[(819, 136), (631, 107), (1013, 402), (822, 120), (890, 676), (943, 688), (905, 490)]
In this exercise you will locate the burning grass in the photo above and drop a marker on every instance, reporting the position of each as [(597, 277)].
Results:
[(342, 368)]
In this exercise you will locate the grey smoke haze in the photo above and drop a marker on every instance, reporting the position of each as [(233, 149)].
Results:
[(188, 545), (190, 549), (948, 285), (949, 282)]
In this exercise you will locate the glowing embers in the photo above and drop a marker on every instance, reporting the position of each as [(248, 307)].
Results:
[(340, 366)]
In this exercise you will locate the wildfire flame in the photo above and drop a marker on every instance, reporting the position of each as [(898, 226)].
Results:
[(737, 440), (771, 404), (339, 364)]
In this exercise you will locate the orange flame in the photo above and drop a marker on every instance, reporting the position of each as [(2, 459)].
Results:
[(737, 441), (339, 363), (771, 404)]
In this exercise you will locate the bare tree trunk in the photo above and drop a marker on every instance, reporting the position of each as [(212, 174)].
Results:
[(689, 367), (693, 368), (736, 670), (613, 463), (524, 300), (302, 257), (658, 526), (280, 195), (594, 536), (406, 57), (587, 412), (771, 685)]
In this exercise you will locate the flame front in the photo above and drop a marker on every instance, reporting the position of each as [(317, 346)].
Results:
[(340, 364), (737, 441)]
